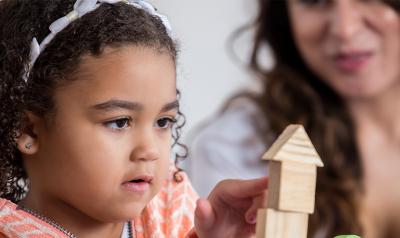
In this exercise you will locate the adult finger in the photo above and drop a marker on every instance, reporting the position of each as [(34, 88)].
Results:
[(258, 202), (243, 188), (204, 215)]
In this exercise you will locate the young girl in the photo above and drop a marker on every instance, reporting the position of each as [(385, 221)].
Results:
[(86, 122)]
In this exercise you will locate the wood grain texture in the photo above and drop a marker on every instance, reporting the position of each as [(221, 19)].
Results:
[(278, 224), (293, 163), (293, 145), (292, 186)]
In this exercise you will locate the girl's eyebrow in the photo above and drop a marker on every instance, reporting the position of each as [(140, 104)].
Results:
[(117, 104), (132, 106), (170, 106)]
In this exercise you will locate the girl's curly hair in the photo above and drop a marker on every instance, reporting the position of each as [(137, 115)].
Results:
[(21, 20)]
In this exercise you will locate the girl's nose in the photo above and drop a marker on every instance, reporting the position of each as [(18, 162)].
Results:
[(146, 148), (346, 19)]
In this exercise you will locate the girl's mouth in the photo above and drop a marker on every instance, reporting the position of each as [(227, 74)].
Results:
[(139, 184)]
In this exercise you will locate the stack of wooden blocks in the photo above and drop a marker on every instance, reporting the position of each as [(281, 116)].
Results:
[(293, 163)]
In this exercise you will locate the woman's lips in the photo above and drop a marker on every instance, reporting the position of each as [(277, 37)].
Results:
[(139, 184), (351, 62)]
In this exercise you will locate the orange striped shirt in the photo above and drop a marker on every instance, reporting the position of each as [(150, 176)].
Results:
[(168, 215)]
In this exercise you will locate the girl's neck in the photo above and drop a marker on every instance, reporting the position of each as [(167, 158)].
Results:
[(71, 219), (380, 113)]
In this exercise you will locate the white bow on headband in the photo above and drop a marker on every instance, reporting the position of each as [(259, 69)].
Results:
[(82, 7)]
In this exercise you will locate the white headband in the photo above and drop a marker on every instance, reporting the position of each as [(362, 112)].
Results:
[(82, 7)]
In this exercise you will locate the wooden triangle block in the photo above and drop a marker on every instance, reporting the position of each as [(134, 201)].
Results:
[(293, 145)]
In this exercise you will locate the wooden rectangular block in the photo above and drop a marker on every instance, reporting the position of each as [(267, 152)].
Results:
[(274, 184), (261, 225), (292, 186), (277, 224)]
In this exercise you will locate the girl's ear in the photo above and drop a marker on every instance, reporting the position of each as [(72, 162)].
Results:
[(27, 141)]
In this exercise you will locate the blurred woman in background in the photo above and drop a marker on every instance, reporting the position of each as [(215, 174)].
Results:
[(337, 72)]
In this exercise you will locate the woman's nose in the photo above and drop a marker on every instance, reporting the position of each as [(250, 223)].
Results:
[(146, 147), (345, 19)]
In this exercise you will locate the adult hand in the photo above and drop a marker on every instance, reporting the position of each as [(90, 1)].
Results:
[(231, 209)]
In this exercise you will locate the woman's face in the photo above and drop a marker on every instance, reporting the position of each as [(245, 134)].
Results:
[(352, 45)]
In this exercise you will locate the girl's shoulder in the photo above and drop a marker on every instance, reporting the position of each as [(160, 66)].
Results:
[(15, 222), (170, 213), (176, 189)]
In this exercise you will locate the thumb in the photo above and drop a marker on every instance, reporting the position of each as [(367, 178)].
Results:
[(204, 216)]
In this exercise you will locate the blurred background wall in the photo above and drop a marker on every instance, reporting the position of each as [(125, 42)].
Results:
[(207, 72)]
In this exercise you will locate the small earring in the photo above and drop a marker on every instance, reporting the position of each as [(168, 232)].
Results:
[(28, 146)]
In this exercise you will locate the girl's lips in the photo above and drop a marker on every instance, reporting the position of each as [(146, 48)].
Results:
[(136, 187), (351, 62), (139, 184)]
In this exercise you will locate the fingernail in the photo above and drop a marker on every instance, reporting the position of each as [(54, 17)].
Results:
[(252, 219)]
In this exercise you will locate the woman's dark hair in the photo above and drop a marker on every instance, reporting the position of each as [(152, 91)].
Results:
[(20, 21), (293, 94)]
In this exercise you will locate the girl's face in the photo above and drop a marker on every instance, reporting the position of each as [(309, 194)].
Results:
[(352, 45), (106, 154)]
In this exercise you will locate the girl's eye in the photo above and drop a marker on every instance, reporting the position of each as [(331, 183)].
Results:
[(165, 122), (313, 2), (118, 124)]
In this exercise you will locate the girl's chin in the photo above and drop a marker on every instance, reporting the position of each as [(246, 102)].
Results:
[(127, 213)]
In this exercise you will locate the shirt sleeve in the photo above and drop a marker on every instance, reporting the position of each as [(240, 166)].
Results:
[(229, 147)]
